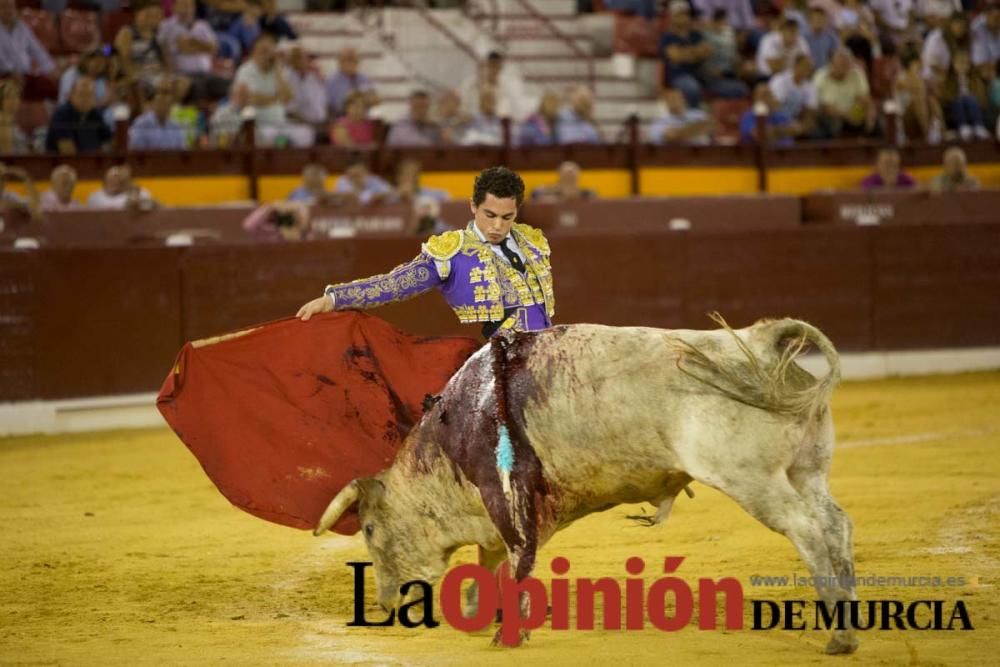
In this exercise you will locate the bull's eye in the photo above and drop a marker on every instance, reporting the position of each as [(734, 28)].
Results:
[(369, 529)]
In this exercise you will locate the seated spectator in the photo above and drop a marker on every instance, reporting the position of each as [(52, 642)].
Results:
[(274, 23), (76, 126), (93, 63), (507, 85), (13, 141), (856, 23), (416, 129), (280, 221), (955, 176), (354, 129), (308, 103), (680, 125), (887, 174), (450, 117), (541, 128), (244, 31), (346, 80), (23, 56), (268, 93), (485, 128), (143, 60), (964, 98), (779, 48), (795, 94), (567, 188), (919, 111), (59, 196), (821, 37), (313, 189), (118, 192), (845, 103), (190, 45), (154, 130), (683, 51), (986, 40), (941, 44), (361, 186), (723, 63), (576, 120), (780, 128), (408, 183), (10, 201)]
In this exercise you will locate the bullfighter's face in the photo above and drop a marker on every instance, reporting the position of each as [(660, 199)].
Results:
[(403, 544), (494, 217)]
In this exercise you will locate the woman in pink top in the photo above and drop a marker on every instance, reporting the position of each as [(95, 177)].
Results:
[(353, 130)]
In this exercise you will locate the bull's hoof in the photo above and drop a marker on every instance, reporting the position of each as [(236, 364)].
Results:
[(522, 637), (841, 646)]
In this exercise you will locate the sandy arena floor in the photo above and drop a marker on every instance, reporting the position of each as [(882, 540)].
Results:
[(117, 550)]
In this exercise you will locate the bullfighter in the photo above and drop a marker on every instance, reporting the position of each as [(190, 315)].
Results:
[(495, 272)]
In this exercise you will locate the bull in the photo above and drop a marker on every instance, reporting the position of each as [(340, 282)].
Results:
[(589, 417)]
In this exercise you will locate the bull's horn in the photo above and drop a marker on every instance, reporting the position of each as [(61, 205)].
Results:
[(347, 497)]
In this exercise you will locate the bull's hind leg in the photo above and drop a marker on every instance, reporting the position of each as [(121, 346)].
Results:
[(779, 506), (837, 530)]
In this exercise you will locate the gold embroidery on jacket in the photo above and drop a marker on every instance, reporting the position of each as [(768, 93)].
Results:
[(394, 283)]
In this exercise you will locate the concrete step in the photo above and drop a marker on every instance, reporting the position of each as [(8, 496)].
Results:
[(375, 67), (325, 22), (546, 7), (320, 45), (567, 66), (545, 46), (620, 88)]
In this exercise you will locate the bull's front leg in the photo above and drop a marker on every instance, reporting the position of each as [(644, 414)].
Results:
[(490, 559), (522, 562)]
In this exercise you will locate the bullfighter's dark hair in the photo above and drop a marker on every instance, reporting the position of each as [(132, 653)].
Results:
[(500, 182)]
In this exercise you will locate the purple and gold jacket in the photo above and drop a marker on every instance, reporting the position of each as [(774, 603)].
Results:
[(478, 285)]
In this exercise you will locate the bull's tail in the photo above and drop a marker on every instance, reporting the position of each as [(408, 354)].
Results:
[(765, 376)]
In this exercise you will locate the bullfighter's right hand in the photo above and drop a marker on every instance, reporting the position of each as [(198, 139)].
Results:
[(322, 304)]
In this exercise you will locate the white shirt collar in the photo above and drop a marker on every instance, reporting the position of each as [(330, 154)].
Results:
[(482, 238)]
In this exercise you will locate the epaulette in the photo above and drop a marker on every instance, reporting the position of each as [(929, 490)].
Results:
[(534, 236), (443, 247)]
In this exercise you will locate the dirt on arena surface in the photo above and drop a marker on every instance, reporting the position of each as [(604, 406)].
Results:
[(118, 550)]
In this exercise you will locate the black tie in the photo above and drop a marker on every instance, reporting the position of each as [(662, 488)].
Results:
[(512, 257)]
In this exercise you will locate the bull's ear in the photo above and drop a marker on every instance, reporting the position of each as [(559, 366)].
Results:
[(370, 488)]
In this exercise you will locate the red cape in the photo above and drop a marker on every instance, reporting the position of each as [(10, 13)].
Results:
[(284, 415)]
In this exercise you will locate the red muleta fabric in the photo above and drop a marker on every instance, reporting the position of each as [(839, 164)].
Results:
[(284, 415)]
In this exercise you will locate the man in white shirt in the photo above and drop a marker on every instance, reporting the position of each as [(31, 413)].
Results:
[(268, 93), (779, 48), (936, 54), (120, 193), (795, 93), (513, 100), (59, 197), (263, 80)]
